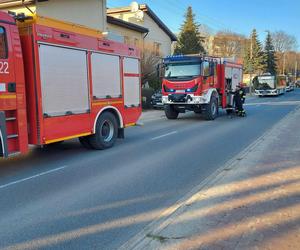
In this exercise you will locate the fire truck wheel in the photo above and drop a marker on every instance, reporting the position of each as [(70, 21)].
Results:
[(84, 141), (106, 132), (170, 112), (211, 111)]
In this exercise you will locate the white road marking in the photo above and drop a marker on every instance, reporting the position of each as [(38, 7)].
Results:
[(32, 177), (273, 103), (161, 136), (153, 119)]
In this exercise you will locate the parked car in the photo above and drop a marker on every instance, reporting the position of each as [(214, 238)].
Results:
[(290, 87), (156, 100)]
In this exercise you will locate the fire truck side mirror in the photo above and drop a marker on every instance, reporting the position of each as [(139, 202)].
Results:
[(206, 69), (160, 70), (212, 68), (21, 17)]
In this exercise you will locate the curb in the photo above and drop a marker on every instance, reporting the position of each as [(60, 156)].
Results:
[(140, 240)]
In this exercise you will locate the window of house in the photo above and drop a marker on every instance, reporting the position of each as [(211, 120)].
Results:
[(126, 40), (156, 49), (136, 42), (3, 44)]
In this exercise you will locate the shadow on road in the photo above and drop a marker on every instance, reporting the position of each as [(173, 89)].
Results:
[(224, 223)]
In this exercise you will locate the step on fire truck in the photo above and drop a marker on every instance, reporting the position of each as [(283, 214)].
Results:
[(60, 81), (199, 84)]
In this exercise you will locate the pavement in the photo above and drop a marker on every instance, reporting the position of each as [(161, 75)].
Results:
[(68, 197), (252, 202)]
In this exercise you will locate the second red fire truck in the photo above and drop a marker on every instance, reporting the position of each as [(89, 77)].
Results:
[(60, 81), (200, 84)]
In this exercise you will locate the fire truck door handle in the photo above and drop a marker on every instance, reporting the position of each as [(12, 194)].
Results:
[(11, 87)]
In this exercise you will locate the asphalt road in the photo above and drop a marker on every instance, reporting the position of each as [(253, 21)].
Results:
[(72, 198)]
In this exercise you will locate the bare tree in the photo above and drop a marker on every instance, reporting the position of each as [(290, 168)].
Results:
[(292, 58), (205, 30), (285, 46), (149, 67), (284, 42), (228, 44)]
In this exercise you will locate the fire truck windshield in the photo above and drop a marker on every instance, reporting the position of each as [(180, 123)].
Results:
[(182, 70)]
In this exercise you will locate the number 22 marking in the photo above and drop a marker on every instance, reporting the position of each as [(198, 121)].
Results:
[(4, 68)]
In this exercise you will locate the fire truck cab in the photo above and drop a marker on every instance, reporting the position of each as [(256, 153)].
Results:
[(200, 84), (60, 81)]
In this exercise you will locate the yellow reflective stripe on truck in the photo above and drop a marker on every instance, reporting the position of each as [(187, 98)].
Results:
[(106, 103), (8, 96), (67, 138)]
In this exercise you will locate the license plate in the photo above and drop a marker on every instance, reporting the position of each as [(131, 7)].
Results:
[(180, 91)]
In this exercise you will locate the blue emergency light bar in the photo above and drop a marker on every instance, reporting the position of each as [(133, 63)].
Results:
[(183, 58)]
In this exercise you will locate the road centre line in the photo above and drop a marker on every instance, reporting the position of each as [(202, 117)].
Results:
[(152, 119), (273, 103), (32, 177), (165, 135)]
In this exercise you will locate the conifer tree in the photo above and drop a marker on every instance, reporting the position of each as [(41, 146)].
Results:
[(254, 59), (189, 37), (270, 62)]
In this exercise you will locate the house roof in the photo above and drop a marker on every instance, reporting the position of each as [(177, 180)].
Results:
[(127, 25), (16, 3), (150, 12)]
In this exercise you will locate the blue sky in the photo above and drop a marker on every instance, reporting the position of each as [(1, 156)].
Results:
[(240, 16)]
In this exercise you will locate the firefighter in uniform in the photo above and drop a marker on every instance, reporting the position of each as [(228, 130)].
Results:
[(239, 100)]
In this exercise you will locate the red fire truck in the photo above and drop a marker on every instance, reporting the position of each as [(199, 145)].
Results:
[(200, 84), (60, 81)]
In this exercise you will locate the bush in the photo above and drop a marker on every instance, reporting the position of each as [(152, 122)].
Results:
[(155, 83), (146, 97)]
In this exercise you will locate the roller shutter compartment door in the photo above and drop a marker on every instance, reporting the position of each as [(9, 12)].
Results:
[(64, 80), (106, 76), (132, 87)]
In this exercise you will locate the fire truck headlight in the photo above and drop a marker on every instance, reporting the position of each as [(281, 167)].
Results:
[(193, 89), (168, 90)]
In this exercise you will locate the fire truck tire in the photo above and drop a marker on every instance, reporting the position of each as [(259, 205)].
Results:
[(212, 109), (84, 141), (106, 132), (170, 112)]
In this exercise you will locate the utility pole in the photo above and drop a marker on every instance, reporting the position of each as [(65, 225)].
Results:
[(296, 70), (283, 66), (251, 65)]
